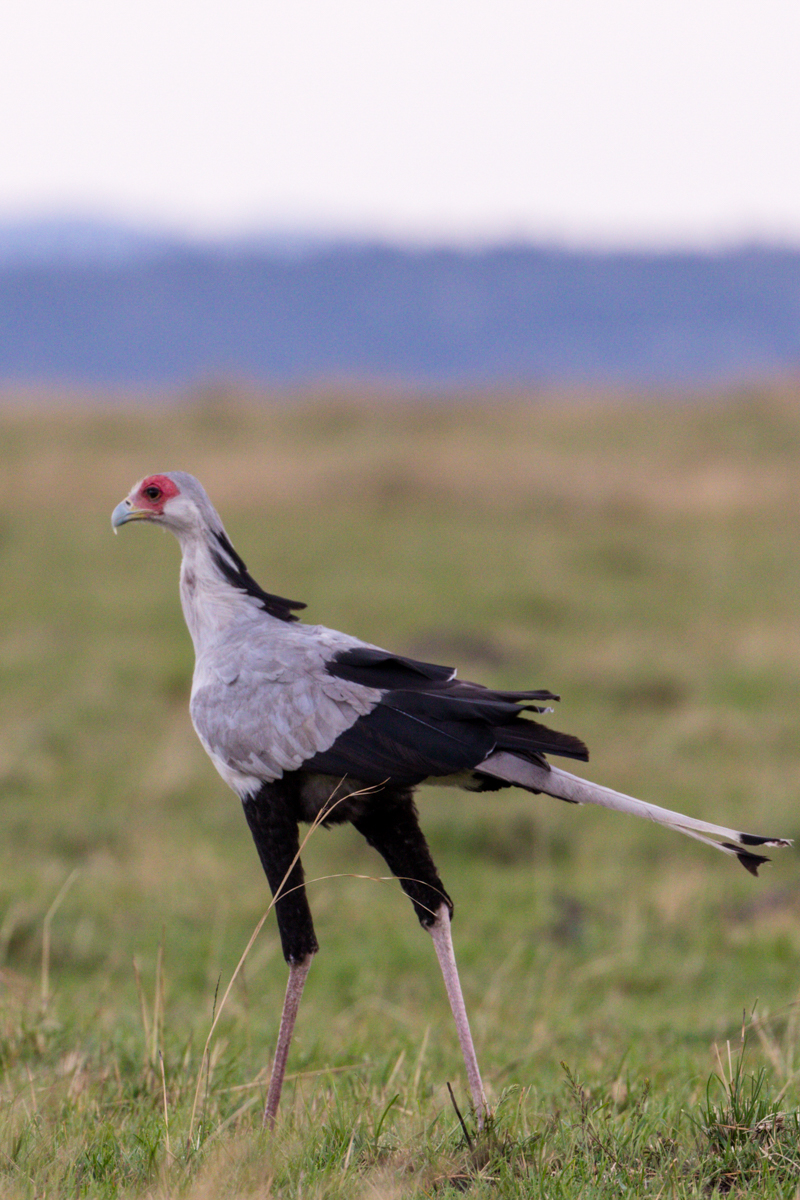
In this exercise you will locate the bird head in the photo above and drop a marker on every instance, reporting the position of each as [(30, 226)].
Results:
[(174, 500), (177, 501)]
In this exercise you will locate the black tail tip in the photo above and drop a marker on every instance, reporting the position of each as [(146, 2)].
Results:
[(749, 839), (750, 862)]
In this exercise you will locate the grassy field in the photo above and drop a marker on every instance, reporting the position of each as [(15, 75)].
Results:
[(643, 560)]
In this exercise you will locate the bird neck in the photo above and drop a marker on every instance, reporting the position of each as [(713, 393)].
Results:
[(210, 604)]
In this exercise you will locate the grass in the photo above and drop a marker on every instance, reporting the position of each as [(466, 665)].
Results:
[(642, 559)]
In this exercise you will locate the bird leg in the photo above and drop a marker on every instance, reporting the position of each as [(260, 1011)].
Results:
[(274, 828), (443, 944), (390, 824), (294, 991)]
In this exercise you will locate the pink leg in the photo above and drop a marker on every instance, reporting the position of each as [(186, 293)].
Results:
[(443, 943), (294, 990)]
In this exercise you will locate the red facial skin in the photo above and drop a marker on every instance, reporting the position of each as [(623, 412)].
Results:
[(167, 490)]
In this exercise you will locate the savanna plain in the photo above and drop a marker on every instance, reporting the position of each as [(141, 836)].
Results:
[(633, 994)]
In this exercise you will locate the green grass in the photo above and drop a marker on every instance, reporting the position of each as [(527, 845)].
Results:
[(641, 559)]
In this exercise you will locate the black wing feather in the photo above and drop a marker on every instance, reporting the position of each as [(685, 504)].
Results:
[(430, 724), (380, 669), (391, 745)]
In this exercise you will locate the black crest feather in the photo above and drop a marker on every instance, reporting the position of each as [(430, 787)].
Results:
[(233, 568)]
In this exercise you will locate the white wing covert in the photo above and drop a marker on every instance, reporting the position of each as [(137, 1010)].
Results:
[(263, 705)]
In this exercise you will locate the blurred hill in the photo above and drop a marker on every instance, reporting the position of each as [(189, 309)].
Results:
[(88, 303)]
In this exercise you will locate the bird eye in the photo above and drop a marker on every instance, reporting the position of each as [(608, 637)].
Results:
[(152, 492)]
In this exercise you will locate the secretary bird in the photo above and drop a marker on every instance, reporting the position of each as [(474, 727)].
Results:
[(305, 723)]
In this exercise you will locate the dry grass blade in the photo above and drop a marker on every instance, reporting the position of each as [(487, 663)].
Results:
[(142, 1004), (166, 1108), (158, 1004), (46, 926)]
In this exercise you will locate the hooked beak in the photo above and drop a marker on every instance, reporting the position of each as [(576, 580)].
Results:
[(126, 512)]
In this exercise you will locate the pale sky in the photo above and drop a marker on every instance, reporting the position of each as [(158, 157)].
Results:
[(622, 122)]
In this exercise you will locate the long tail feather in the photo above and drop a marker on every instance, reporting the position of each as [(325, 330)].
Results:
[(564, 786)]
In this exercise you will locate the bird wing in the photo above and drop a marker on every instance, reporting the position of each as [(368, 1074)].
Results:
[(428, 724), (263, 702), (307, 698)]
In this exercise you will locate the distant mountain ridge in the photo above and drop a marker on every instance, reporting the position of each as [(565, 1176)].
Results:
[(57, 241), (93, 304)]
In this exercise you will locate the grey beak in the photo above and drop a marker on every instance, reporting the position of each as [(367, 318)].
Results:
[(124, 512)]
